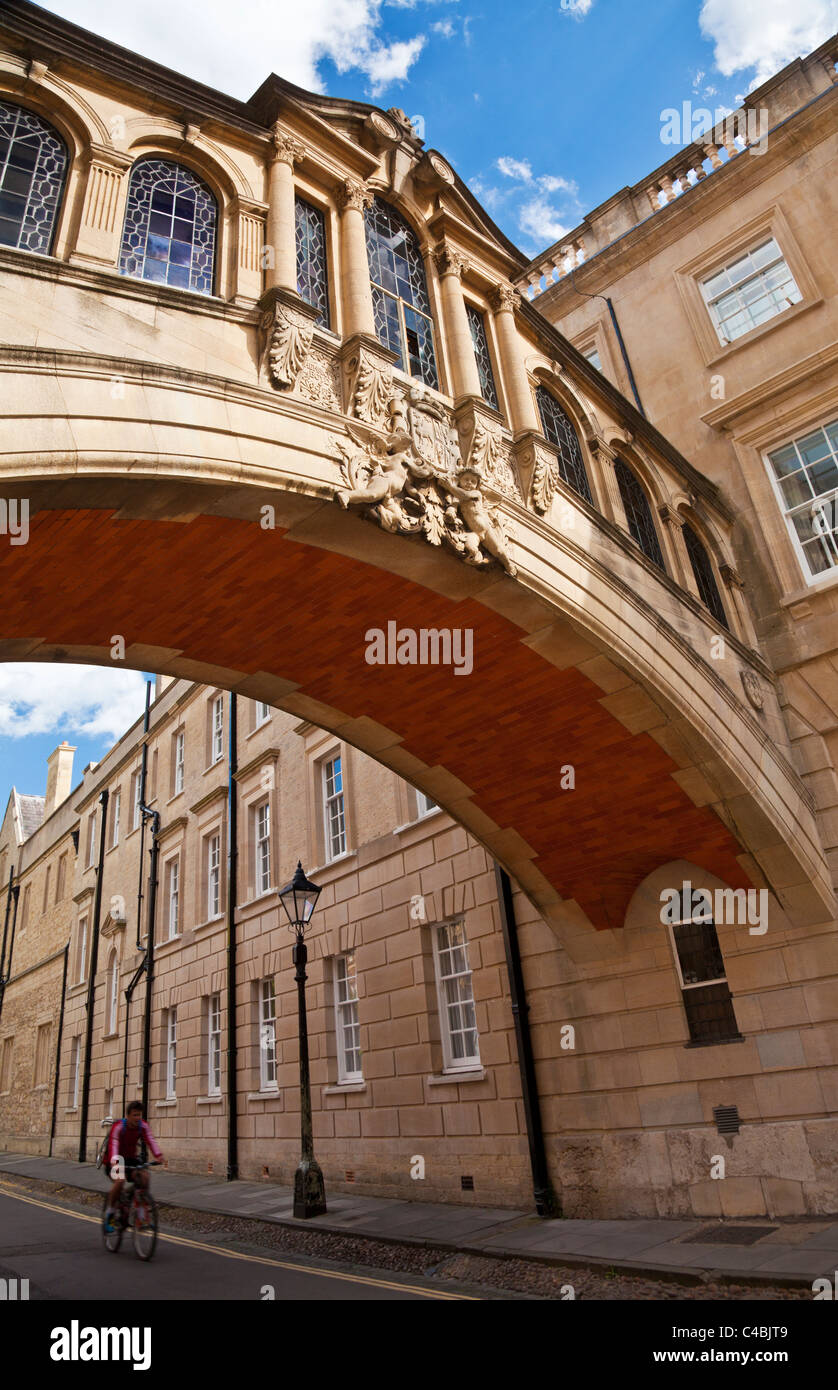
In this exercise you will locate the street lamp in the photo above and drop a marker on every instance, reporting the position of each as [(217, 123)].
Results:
[(299, 898)]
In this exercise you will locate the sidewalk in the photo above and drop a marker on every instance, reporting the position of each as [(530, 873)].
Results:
[(790, 1253)]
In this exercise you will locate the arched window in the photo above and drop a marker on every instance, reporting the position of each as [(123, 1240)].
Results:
[(559, 430), (113, 991), (705, 579), (400, 292), (169, 233), (638, 513), (33, 163)]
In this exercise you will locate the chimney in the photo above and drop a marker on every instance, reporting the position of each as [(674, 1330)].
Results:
[(59, 777), (162, 683)]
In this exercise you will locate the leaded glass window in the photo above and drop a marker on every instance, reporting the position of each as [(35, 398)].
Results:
[(312, 272), (558, 429), (638, 513), (705, 580), (33, 163), (481, 353), (169, 234), (400, 292)]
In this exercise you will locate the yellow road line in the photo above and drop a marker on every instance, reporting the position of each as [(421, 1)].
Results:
[(253, 1259)]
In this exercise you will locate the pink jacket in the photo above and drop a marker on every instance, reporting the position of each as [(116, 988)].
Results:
[(116, 1140)]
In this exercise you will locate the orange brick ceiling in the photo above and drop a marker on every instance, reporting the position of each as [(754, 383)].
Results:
[(229, 594)]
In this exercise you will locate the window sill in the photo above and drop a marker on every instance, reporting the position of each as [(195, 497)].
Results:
[(70, 1110), (265, 1095), (209, 1100), (258, 729), (342, 1087), (107, 1037), (717, 1042), (210, 922), (170, 941), (212, 766), (175, 797), (260, 898), (165, 1104), (330, 863), (452, 1078)]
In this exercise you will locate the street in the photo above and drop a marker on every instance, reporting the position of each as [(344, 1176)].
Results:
[(61, 1253)]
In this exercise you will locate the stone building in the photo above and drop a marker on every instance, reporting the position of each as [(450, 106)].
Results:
[(283, 416)]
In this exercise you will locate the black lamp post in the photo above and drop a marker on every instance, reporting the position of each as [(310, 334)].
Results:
[(299, 898)]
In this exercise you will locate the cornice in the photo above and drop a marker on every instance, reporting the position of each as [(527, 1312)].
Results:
[(166, 831), (268, 755), (216, 794), (772, 388)]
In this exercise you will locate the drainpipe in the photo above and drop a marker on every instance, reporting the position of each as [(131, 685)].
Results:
[(6, 932), (232, 875), (129, 993), (606, 299), (6, 970), (546, 1201), (58, 1051), (149, 955), (91, 986), (143, 771)]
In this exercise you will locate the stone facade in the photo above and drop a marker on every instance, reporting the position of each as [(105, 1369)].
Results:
[(241, 493)]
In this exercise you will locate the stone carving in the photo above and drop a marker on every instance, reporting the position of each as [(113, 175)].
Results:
[(492, 460), (288, 336), (403, 121), (504, 297), (319, 381), (450, 262), (286, 148), (753, 689), (373, 390), (394, 484), (545, 475), (430, 426), (351, 193)]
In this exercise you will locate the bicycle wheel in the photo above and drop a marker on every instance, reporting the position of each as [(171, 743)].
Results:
[(112, 1239), (144, 1226)]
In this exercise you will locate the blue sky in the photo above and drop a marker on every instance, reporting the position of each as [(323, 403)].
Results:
[(545, 107)]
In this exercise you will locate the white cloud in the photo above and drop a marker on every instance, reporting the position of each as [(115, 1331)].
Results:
[(539, 220), (767, 35), (40, 698), (445, 27), (234, 50), (577, 8), (515, 168), (549, 183)]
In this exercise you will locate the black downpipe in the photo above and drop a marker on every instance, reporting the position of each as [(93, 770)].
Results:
[(6, 924), (5, 976), (143, 772), (149, 954), (129, 994), (546, 1201), (626, 363), (91, 986), (58, 1051), (232, 877)]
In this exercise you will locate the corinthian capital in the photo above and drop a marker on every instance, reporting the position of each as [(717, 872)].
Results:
[(504, 297), (450, 262), (351, 193), (287, 149)]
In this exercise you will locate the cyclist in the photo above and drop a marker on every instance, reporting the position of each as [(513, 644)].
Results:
[(129, 1139)]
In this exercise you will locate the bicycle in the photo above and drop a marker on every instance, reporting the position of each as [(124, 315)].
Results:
[(137, 1209)]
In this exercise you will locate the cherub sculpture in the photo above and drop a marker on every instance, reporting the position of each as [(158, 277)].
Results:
[(485, 527), (380, 474)]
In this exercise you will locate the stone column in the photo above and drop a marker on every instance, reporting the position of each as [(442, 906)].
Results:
[(673, 525), (356, 292), (522, 413), (465, 378), (281, 232)]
